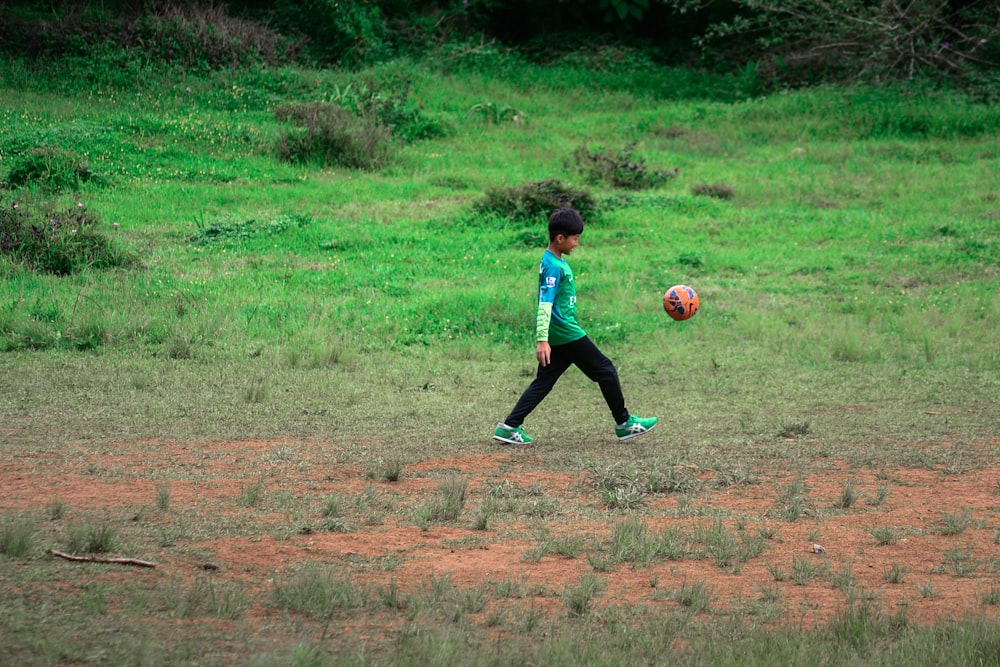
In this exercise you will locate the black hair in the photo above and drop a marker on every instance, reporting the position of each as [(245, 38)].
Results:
[(565, 221)]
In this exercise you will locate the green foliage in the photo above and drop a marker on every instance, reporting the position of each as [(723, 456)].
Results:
[(536, 200), (498, 113), (336, 33), (389, 107), (226, 232), (52, 169), (17, 536), (619, 169), (58, 241), (326, 134)]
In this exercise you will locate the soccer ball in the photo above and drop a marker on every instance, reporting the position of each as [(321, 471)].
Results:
[(680, 302)]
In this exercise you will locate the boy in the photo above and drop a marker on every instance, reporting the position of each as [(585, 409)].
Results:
[(562, 342)]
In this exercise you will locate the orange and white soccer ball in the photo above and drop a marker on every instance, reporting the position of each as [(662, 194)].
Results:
[(681, 302)]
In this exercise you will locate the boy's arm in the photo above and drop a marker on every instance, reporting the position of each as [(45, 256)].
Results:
[(543, 317)]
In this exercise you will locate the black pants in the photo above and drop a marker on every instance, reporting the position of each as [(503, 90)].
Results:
[(585, 355)]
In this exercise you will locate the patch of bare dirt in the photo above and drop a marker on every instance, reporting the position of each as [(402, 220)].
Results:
[(206, 481)]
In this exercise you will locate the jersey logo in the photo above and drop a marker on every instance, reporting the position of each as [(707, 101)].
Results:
[(550, 281)]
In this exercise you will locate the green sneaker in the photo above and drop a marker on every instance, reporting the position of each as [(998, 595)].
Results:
[(635, 426), (513, 436)]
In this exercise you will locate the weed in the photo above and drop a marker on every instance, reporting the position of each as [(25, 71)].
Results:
[(252, 495), (327, 134), (696, 597), (499, 113), (447, 506), (991, 597), (885, 535), (895, 574), (59, 241), (56, 509), (927, 590), (881, 493), (579, 596), (805, 570), (536, 199), (52, 169), (959, 563), (619, 169), (716, 190), (92, 537), (843, 579), (313, 590), (848, 496), (955, 524), (163, 497), (17, 536)]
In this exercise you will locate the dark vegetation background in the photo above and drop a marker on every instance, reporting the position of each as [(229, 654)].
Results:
[(779, 44)]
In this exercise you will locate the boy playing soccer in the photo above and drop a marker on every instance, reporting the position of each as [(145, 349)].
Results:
[(562, 342)]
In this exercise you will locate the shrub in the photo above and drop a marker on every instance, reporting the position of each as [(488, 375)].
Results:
[(328, 134), (717, 190), (58, 241), (52, 169), (536, 199), (389, 108), (619, 169)]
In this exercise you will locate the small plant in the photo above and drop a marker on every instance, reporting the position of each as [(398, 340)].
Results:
[(793, 428), (927, 590), (256, 391), (387, 471), (579, 597), (895, 574), (619, 169), (885, 535), (536, 199), (92, 538), (959, 563), (58, 241), (252, 495), (955, 524), (314, 591), (51, 169), (805, 570), (163, 497), (499, 113), (992, 597), (327, 134), (16, 537), (56, 509), (843, 579), (777, 574), (848, 496), (881, 493), (447, 506), (696, 597), (716, 190)]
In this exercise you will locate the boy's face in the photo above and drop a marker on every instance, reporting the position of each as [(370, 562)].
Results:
[(565, 244)]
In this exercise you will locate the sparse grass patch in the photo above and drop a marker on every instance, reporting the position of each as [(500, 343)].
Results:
[(579, 596), (17, 536)]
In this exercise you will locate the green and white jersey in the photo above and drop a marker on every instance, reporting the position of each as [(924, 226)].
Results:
[(556, 318)]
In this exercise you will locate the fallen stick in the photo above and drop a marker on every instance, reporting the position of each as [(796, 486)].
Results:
[(95, 559)]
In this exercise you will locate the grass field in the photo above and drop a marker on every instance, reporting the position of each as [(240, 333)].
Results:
[(285, 402)]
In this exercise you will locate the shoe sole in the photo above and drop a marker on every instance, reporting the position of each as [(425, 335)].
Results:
[(510, 441), (636, 435)]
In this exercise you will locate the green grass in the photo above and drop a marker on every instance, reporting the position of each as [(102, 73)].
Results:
[(375, 320)]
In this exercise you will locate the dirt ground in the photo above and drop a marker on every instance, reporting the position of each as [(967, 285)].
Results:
[(207, 480)]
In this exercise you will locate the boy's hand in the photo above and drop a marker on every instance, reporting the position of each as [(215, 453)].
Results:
[(543, 353)]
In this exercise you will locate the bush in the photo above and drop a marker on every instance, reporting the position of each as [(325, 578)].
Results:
[(52, 169), (390, 109), (328, 134), (619, 169), (536, 199), (58, 242)]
